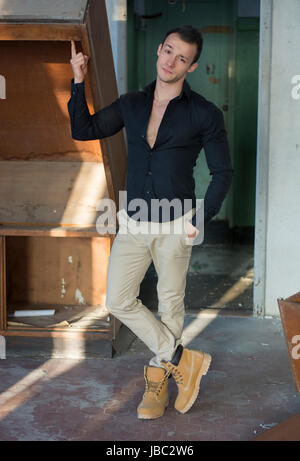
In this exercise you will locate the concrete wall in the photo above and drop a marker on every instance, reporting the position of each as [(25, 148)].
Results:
[(277, 244), (117, 17)]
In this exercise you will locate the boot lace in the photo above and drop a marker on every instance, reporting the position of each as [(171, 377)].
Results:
[(156, 387), (176, 374)]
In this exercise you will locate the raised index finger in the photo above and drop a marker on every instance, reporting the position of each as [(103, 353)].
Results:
[(73, 49)]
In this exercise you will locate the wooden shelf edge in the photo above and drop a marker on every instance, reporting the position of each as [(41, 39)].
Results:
[(59, 333), (51, 232), (40, 31)]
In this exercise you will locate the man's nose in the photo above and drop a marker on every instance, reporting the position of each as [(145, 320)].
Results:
[(171, 62)]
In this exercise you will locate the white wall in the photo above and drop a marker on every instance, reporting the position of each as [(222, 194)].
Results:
[(117, 17), (279, 157)]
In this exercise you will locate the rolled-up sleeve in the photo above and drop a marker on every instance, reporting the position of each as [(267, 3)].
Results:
[(84, 126)]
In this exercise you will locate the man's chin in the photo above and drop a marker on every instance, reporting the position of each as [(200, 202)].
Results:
[(168, 79)]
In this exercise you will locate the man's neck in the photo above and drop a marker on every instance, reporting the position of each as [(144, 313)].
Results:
[(166, 91)]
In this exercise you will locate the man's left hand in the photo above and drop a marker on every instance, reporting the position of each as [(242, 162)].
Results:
[(192, 231)]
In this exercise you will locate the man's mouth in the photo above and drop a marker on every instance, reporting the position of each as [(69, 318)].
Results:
[(167, 71)]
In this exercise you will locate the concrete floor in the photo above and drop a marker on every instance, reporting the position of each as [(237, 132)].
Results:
[(248, 389)]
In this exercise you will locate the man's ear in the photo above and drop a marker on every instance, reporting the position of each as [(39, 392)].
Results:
[(159, 49), (193, 67)]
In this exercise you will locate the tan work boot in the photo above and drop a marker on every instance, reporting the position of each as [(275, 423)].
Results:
[(155, 398), (187, 373)]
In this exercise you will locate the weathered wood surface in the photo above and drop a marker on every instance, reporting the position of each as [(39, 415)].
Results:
[(43, 10), (51, 193), (39, 32)]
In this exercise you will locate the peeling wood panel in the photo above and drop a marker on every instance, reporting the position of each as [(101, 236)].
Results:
[(51, 193), (34, 116), (40, 270), (113, 148), (43, 32)]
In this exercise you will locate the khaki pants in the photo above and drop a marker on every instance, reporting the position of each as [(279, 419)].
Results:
[(168, 245)]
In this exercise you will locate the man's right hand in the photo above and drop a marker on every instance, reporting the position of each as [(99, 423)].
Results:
[(79, 64)]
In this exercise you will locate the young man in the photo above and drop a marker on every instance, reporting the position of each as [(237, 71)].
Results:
[(167, 124)]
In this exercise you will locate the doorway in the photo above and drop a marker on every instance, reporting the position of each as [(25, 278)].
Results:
[(221, 269)]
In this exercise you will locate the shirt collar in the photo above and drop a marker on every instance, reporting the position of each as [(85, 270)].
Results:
[(186, 89)]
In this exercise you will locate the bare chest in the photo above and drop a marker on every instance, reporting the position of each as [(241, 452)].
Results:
[(156, 117)]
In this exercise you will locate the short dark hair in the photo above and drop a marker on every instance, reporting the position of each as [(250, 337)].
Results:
[(188, 34)]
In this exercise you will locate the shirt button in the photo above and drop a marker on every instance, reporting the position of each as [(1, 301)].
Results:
[(147, 192), (149, 172)]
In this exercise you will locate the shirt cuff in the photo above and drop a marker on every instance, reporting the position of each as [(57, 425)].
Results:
[(76, 87)]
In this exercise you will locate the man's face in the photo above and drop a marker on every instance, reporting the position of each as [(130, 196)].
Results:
[(175, 59)]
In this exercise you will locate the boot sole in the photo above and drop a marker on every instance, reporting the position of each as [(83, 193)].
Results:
[(153, 417), (203, 370)]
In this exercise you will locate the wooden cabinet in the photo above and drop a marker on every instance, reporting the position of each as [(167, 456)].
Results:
[(51, 253), (289, 309)]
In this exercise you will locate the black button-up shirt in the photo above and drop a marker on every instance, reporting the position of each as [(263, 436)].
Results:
[(190, 122)]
